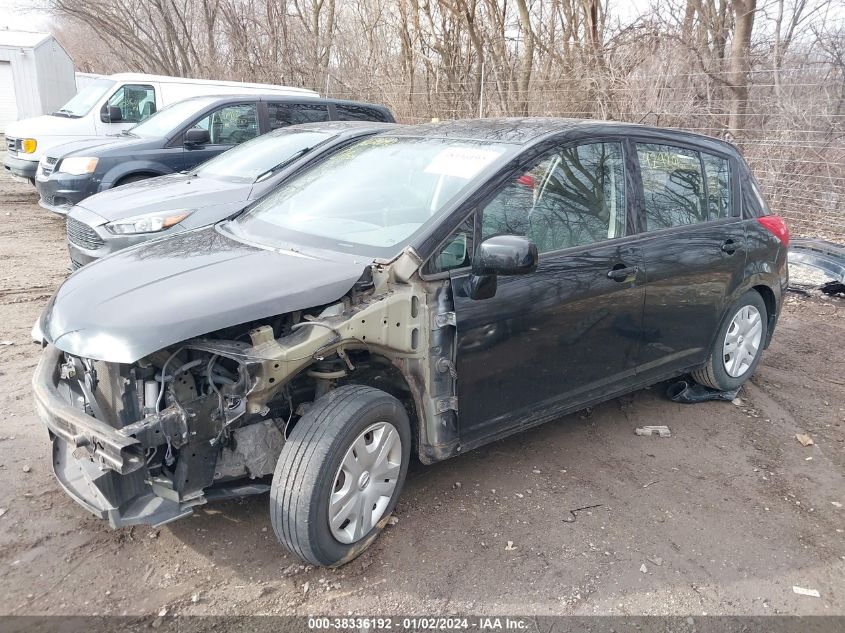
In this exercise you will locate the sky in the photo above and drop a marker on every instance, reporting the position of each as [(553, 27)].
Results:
[(23, 15), (30, 15)]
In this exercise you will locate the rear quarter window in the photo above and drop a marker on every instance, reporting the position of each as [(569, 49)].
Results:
[(753, 203)]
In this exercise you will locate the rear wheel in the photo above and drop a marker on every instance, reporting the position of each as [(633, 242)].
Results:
[(340, 474), (738, 346)]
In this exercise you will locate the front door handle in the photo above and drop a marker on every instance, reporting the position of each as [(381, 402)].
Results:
[(732, 246), (622, 274)]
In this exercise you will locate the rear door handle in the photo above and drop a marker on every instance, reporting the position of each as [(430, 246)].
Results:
[(622, 274), (732, 246)]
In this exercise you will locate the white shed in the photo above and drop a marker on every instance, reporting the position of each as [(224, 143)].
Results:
[(36, 75)]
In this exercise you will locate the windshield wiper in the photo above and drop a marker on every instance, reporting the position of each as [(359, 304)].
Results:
[(273, 170)]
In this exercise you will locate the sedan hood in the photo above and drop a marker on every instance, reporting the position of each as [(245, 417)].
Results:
[(95, 144), (165, 193), (141, 300)]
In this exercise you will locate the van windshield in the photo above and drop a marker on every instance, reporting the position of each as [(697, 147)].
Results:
[(85, 99), (170, 118), (262, 156)]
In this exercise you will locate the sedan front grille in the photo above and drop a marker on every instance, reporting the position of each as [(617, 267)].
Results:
[(83, 235)]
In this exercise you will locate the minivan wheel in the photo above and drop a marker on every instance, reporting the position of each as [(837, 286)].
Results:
[(339, 474), (738, 346)]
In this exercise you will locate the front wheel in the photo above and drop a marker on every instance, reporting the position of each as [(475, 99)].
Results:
[(340, 474), (738, 346)]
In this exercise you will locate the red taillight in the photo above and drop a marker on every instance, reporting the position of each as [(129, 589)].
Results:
[(777, 227)]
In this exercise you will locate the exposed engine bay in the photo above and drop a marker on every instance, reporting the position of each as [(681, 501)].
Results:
[(208, 417)]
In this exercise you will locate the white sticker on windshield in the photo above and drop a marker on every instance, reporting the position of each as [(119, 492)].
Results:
[(461, 162)]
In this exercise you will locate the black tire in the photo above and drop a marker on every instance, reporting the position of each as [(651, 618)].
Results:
[(309, 462), (713, 374)]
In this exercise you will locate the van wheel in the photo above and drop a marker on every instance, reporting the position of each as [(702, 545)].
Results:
[(738, 346), (339, 474)]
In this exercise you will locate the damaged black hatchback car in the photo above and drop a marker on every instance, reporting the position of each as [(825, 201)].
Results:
[(421, 292)]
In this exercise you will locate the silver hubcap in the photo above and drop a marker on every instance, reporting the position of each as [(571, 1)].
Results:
[(742, 341), (365, 482)]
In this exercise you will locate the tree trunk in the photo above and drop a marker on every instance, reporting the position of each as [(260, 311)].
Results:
[(740, 64)]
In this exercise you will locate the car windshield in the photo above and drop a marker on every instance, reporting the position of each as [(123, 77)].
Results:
[(85, 99), (262, 156), (167, 119), (372, 197)]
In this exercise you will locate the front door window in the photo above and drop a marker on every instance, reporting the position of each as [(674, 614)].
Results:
[(571, 197), (231, 124), (136, 102)]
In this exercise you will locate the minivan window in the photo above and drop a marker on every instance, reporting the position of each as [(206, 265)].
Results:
[(371, 197), (673, 186), (285, 114), (260, 156), (136, 103), (85, 99), (719, 199), (231, 124), (352, 112), (168, 119), (573, 196)]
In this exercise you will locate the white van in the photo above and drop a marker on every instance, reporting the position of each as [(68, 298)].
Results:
[(109, 105)]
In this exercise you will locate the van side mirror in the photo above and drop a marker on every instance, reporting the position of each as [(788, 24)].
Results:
[(500, 255), (196, 136), (111, 114)]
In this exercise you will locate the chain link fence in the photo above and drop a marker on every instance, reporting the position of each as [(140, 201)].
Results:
[(793, 134)]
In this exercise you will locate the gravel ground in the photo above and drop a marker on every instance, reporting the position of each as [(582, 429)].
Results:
[(724, 517)]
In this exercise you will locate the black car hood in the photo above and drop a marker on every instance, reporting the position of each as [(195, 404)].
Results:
[(165, 193), (96, 146), (140, 300)]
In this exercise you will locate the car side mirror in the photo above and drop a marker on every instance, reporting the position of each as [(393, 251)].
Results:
[(197, 136), (111, 114), (506, 255), (500, 255)]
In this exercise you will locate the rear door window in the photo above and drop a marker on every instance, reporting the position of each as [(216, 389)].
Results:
[(719, 198), (285, 114), (571, 197), (231, 124), (136, 102), (673, 186)]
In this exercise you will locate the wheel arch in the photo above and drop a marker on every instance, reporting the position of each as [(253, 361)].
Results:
[(132, 168), (769, 289), (771, 309), (390, 375)]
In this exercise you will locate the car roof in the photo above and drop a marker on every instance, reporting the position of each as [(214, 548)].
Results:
[(529, 130), (339, 127)]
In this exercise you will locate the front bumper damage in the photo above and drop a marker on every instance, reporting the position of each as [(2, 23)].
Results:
[(101, 468)]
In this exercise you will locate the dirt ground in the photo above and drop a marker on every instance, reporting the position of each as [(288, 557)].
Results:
[(724, 517)]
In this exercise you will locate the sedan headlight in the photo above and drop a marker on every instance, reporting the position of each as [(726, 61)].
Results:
[(148, 223), (28, 145), (78, 165)]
